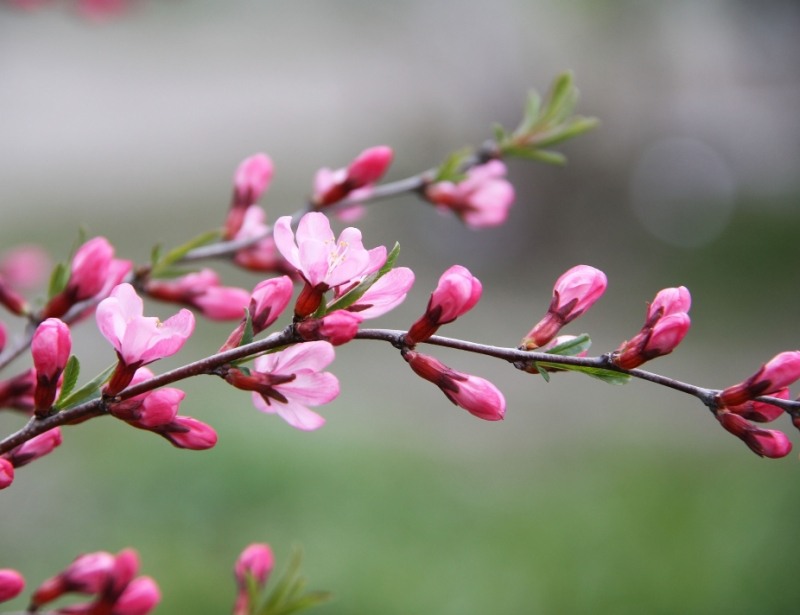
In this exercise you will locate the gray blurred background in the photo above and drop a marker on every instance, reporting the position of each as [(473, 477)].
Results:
[(587, 498)]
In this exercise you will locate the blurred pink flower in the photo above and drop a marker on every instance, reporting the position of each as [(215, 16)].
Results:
[(252, 178), (25, 267), (11, 582), (367, 168)]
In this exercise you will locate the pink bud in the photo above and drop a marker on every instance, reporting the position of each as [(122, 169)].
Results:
[(659, 340), (6, 473), (87, 574), (669, 301), (763, 442), (481, 200), (151, 409), (255, 561), (759, 411), (338, 327), (574, 292), (17, 391), (11, 584), (187, 432), (269, 300), (457, 292), (25, 267), (3, 336), (36, 447), (222, 302), (477, 396), (369, 166), (50, 346), (779, 372), (12, 300), (140, 597), (252, 178)]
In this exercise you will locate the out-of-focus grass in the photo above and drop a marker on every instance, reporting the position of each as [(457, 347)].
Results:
[(612, 525)]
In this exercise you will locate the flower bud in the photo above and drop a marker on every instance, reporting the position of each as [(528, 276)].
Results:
[(36, 447), (88, 274), (457, 293), (367, 168), (187, 432), (338, 327), (11, 584), (477, 396), (140, 597), (759, 411), (6, 473), (87, 574), (255, 561), (50, 346), (779, 372), (12, 300), (17, 391), (763, 442), (574, 292), (268, 301)]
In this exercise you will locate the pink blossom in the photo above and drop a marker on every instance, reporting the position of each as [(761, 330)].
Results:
[(149, 410), (779, 372), (6, 474), (189, 433), (138, 339), (87, 574), (203, 291), (267, 302), (17, 391), (574, 292), (140, 597), (256, 563), (3, 336), (11, 584), (367, 168), (288, 381), (385, 294), (477, 396), (763, 442), (669, 301), (100, 10), (252, 178), (261, 255), (338, 327), (25, 267), (322, 260), (759, 411), (222, 302), (12, 300), (481, 200), (50, 347), (457, 292), (38, 446)]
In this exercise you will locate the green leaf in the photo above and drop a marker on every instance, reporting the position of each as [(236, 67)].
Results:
[(500, 134), (155, 255), (531, 153), (70, 379), (606, 375), (574, 127), (572, 347), (176, 254), (561, 99), (542, 372), (86, 391), (58, 280), (451, 169), (278, 598), (247, 336)]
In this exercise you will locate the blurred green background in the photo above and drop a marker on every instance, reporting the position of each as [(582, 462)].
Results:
[(587, 498)]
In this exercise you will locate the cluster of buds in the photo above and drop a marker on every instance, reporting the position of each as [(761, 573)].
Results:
[(738, 407), (667, 323), (111, 579)]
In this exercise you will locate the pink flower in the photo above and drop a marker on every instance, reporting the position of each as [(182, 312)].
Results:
[(203, 291), (323, 261), (38, 446), (763, 442), (189, 433), (17, 391), (25, 267), (151, 409), (385, 294), (11, 584), (481, 200), (140, 597), (50, 346), (477, 396), (289, 381), (6, 474), (12, 300), (367, 168), (261, 255), (457, 292), (3, 336), (252, 178), (138, 339), (574, 292), (338, 327), (666, 325), (759, 411), (87, 574), (267, 302), (256, 563), (779, 372)]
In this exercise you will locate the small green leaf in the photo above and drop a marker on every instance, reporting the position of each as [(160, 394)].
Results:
[(176, 254), (391, 259), (542, 372), (70, 379), (87, 390), (248, 334), (451, 169), (277, 599), (561, 99), (572, 347), (574, 127), (606, 375), (155, 255), (500, 134), (58, 280)]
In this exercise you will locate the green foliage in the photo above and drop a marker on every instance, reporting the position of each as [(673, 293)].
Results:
[(86, 392), (289, 595), (162, 266)]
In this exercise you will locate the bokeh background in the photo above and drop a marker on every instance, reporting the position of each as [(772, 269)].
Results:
[(588, 497)]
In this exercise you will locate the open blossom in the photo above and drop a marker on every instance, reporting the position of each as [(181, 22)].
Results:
[(322, 260), (138, 339), (385, 294), (50, 347), (11, 584), (289, 381), (456, 293), (575, 291), (476, 395), (481, 200), (779, 372), (367, 168), (763, 442)]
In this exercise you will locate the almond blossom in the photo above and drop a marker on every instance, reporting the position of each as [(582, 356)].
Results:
[(138, 339), (481, 200), (289, 381), (322, 260)]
